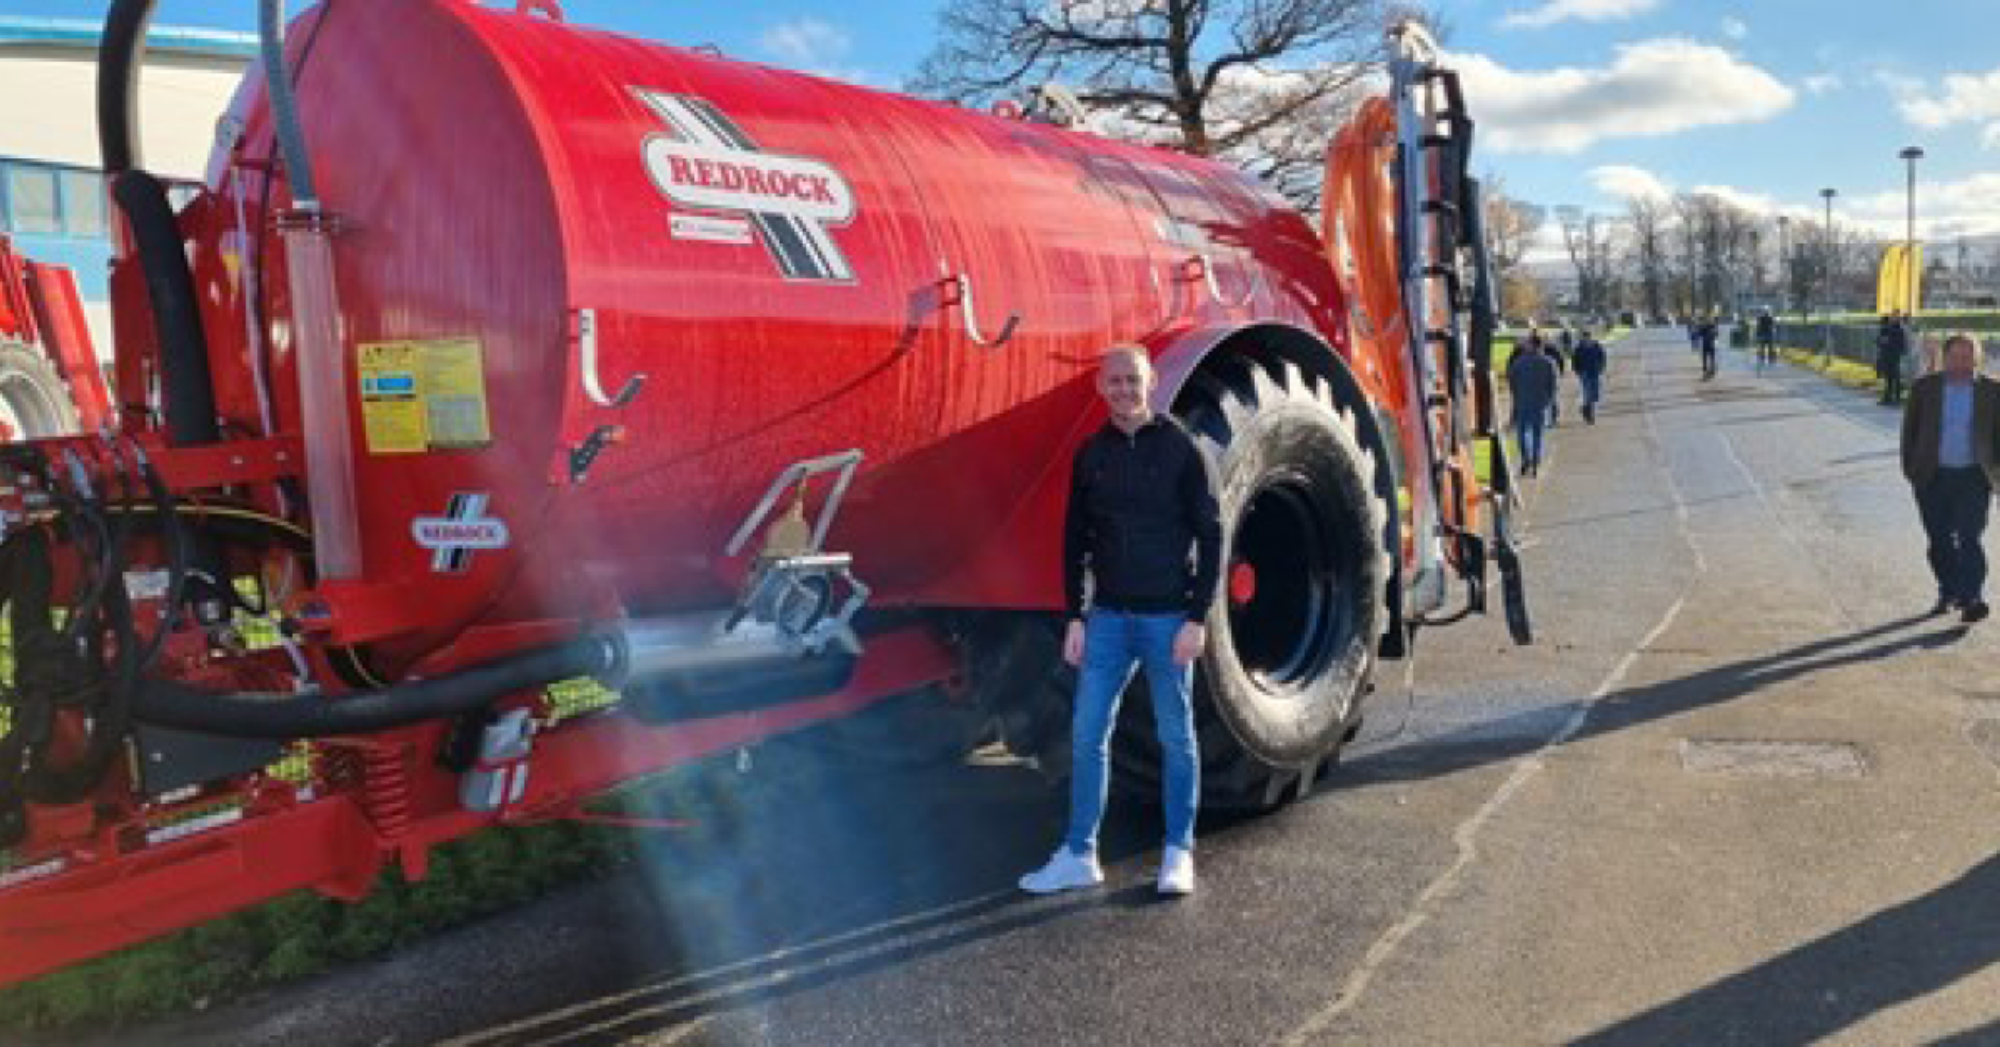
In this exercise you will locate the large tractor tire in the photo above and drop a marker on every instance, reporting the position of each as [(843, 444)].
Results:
[(1292, 637), (34, 402)]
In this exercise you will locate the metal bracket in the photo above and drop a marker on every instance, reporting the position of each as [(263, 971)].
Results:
[(586, 338), (1200, 266), (959, 292), (846, 462)]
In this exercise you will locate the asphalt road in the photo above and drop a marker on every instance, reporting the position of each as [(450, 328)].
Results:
[(1739, 792)]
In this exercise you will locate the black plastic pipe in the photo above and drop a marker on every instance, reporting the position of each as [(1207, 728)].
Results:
[(119, 53), (165, 703), (186, 384)]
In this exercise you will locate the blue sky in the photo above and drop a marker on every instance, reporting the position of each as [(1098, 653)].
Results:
[(1580, 101)]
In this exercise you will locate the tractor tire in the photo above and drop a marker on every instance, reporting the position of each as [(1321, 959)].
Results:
[(34, 401), (1293, 634)]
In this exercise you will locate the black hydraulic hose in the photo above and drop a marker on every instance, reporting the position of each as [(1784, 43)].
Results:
[(186, 383), (165, 703), (119, 53)]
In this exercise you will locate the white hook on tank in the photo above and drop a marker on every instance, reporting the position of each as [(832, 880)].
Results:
[(586, 337)]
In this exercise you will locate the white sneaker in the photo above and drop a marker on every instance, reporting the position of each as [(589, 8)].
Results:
[(1064, 872), (1176, 871)]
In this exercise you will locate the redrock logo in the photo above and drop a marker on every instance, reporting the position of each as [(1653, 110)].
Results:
[(704, 161), (476, 535), (463, 529)]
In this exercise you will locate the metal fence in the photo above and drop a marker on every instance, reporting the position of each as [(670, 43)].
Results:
[(1856, 342)]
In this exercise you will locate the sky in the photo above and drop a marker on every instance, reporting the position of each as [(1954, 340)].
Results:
[(1579, 102)]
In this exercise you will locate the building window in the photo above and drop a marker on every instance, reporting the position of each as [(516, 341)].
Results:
[(31, 200), (83, 203)]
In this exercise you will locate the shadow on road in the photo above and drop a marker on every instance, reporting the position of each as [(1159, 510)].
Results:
[(1831, 983), (1524, 733)]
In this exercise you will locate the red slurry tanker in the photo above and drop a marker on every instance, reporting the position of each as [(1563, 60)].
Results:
[(497, 353)]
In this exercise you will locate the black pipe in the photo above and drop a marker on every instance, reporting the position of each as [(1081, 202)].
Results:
[(185, 379), (119, 54), (165, 703)]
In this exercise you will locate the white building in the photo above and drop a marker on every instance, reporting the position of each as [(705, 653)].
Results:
[(52, 196)]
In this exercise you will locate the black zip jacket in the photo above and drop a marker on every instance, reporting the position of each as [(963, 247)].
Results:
[(1138, 505)]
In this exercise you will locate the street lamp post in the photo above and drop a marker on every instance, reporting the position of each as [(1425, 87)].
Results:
[(1910, 157), (1826, 279)]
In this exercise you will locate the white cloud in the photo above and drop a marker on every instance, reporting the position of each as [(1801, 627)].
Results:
[(1756, 203), (1627, 182), (1962, 98), (1821, 83), (1734, 28), (813, 46), (1553, 11), (1651, 88), (1965, 207), (807, 41)]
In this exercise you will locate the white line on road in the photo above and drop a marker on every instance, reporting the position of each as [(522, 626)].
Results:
[(1466, 836)]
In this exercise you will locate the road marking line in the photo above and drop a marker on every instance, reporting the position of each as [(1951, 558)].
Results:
[(1466, 836)]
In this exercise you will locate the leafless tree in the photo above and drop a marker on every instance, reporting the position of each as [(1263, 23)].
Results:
[(1511, 225), (1260, 82), (1806, 265), (1648, 218), (1588, 240)]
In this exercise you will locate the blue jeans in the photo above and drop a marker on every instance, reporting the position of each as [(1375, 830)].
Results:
[(1113, 644), (1591, 387), (1528, 426)]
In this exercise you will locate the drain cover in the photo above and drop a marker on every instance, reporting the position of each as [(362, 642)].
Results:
[(1773, 759)]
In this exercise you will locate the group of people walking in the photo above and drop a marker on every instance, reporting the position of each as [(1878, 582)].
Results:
[(1534, 380)]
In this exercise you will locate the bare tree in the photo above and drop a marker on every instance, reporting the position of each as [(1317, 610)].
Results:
[(1587, 238), (1806, 265), (1260, 82), (1648, 218), (1511, 226)]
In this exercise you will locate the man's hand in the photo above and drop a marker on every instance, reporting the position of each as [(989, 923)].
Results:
[(1073, 643), (1188, 643)]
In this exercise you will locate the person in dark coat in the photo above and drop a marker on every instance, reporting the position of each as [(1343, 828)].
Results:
[(1767, 339), (1590, 361), (1892, 344), (1705, 335), (1144, 531), (1951, 456), (1531, 380), (1557, 350)]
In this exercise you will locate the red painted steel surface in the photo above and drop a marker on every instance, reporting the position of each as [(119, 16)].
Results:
[(774, 253)]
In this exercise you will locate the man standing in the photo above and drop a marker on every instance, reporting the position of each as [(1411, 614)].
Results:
[(1140, 503), (1767, 339), (1705, 334), (1531, 380), (1951, 448), (1892, 343), (1589, 363)]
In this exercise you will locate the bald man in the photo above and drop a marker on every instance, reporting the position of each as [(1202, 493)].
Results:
[(1144, 526)]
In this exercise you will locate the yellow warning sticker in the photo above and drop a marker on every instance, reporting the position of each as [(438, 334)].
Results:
[(423, 395), (392, 405), (455, 393)]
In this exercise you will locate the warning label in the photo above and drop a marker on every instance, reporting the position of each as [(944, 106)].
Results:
[(423, 395)]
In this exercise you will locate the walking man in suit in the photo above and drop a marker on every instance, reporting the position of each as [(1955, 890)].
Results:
[(1951, 451)]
